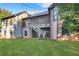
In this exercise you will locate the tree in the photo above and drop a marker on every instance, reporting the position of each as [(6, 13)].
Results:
[(69, 13), (4, 13)]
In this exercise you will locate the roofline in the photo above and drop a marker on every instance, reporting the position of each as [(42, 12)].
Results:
[(34, 16), (14, 15), (51, 6)]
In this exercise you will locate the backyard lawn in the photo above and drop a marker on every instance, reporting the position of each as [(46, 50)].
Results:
[(35, 47)]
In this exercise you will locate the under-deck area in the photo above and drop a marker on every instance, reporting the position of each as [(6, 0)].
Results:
[(42, 33)]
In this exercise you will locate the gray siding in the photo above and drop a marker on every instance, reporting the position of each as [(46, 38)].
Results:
[(18, 29), (39, 21)]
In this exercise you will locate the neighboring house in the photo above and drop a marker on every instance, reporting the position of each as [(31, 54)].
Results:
[(41, 25)]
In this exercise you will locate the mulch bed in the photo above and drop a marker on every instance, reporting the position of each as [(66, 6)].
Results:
[(71, 37)]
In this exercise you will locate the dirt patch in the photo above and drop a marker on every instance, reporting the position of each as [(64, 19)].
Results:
[(71, 37)]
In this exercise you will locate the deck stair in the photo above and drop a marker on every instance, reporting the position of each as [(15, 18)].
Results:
[(39, 32)]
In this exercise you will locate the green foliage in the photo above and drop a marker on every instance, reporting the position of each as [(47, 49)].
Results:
[(4, 13), (70, 15)]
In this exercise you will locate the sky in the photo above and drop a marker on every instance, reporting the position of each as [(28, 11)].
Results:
[(31, 8)]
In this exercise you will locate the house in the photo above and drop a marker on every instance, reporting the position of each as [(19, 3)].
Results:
[(38, 25), (46, 24), (55, 21), (11, 25)]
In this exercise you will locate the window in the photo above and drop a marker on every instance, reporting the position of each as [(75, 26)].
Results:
[(11, 32), (25, 33), (55, 15), (10, 22), (55, 12), (5, 33), (6, 22), (23, 23), (15, 26)]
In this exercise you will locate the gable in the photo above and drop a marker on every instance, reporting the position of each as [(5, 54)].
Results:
[(18, 15)]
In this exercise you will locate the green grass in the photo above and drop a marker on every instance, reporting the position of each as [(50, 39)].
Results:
[(35, 47)]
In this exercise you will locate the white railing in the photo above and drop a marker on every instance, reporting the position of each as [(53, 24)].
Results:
[(39, 25)]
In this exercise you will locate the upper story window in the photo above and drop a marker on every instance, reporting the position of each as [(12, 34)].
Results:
[(23, 23), (55, 15), (10, 22), (4, 23)]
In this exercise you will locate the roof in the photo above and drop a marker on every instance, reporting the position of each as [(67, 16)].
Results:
[(14, 15), (34, 15), (52, 6), (38, 14)]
